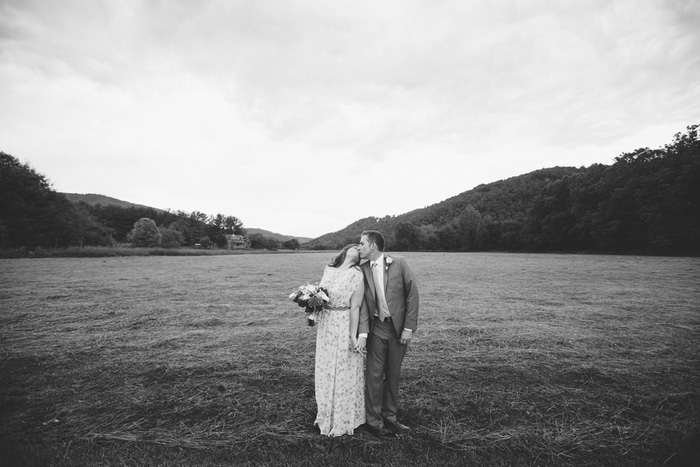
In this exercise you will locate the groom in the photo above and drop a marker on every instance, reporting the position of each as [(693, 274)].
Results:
[(391, 298)]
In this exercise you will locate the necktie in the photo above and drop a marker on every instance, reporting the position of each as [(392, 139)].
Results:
[(379, 289)]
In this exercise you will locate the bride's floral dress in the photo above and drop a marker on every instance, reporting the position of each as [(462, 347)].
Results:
[(340, 373)]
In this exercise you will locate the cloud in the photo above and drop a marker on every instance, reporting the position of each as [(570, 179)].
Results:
[(283, 112)]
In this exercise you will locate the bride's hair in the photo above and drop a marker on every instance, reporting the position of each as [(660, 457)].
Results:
[(340, 258)]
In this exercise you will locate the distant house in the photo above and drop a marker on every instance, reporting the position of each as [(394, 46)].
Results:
[(236, 242)]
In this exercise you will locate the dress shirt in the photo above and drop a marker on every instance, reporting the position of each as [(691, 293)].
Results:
[(381, 293), (377, 268)]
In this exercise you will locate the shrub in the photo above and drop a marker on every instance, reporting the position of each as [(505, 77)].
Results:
[(205, 242), (170, 238), (145, 233)]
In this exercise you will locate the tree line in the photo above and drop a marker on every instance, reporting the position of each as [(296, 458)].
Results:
[(33, 215), (647, 201)]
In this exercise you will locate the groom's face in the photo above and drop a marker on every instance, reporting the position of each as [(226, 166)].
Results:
[(365, 247)]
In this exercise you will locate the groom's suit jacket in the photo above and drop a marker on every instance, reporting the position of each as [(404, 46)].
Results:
[(401, 291)]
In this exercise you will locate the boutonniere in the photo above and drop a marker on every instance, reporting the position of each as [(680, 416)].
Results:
[(388, 260)]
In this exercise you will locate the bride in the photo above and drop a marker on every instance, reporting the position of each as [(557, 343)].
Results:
[(340, 347)]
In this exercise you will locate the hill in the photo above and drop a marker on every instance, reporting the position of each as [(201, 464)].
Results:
[(275, 236), (94, 199), (647, 202), (448, 225)]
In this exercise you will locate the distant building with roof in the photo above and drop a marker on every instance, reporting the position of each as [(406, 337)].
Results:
[(236, 242)]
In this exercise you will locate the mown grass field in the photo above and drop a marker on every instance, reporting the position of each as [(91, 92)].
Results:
[(191, 361)]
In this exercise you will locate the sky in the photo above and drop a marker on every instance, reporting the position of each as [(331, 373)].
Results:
[(301, 117)]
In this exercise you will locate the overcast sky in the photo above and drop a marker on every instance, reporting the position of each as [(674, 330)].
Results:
[(302, 117)]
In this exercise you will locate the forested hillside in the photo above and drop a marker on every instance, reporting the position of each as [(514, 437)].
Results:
[(281, 238), (33, 215), (93, 199), (648, 201)]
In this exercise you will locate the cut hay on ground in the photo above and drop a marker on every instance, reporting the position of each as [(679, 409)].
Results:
[(519, 360)]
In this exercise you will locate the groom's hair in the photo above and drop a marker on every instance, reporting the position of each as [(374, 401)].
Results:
[(375, 237)]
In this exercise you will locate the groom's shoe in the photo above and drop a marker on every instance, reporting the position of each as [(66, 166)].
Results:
[(380, 432), (397, 427)]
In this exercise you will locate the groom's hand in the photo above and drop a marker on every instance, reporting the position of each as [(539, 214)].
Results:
[(406, 336)]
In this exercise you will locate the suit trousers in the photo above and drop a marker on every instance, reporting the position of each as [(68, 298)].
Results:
[(383, 374)]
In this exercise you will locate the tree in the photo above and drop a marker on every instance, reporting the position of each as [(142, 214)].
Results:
[(191, 226), (553, 211), (87, 228), (428, 237), (205, 242), (259, 242), (119, 220), (32, 214), (469, 224), (234, 225), (448, 238), (145, 233), (292, 244), (406, 236), (198, 222), (220, 226), (216, 230), (170, 237)]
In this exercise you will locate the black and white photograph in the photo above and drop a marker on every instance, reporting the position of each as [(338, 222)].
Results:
[(304, 233)]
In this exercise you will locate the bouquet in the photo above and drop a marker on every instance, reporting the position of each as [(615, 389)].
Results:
[(312, 298)]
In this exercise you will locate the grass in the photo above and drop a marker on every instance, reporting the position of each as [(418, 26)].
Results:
[(124, 250), (519, 360)]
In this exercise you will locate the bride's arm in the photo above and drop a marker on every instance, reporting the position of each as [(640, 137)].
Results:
[(355, 303)]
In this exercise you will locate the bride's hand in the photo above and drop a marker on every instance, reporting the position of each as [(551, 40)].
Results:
[(353, 341)]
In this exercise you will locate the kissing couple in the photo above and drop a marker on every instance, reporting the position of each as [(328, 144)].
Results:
[(372, 315)]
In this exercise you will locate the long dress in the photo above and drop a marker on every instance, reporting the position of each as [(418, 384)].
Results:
[(340, 374)]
